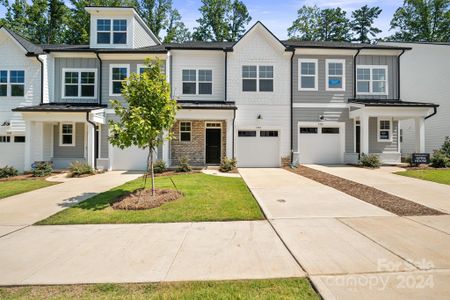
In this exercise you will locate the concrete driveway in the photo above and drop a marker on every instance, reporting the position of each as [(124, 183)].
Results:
[(351, 249), (25, 209), (431, 194)]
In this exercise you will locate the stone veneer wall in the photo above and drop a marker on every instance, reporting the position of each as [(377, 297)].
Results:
[(194, 150)]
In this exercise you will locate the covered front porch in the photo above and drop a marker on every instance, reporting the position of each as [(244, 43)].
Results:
[(61, 134), (377, 127)]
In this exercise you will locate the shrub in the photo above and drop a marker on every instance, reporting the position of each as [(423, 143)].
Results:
[(439, 159), (370, 160), (7, 171), (227, 164), (42, 168), (159, 166), (183, 165), (78, 168), (446, 147)]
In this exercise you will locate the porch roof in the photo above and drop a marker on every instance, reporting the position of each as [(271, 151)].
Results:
[(220, 105), (59, 108), (391, 103)]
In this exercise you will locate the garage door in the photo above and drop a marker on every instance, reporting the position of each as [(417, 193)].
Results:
[(320, 144), (258, 148), (131, 158)]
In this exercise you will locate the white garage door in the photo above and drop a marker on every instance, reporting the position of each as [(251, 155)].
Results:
[(321, 144), (12, 154), (131, 158), (258, 148)]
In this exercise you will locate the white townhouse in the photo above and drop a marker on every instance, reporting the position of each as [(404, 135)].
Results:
[(263, 101)]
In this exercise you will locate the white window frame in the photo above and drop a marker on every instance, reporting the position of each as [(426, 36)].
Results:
[(139, 66), (190, 131), (9, 84), (111, 31), (79, 71), (202, 81), (316, 79), (257, 78), (379, 130), (371, 67), (61, 134), (327, 75), (111, 67), (197, 81)]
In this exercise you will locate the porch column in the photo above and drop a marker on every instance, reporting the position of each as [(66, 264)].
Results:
[(90, 145), (28, 142), (420, 134), (364, 126), (229, 138)]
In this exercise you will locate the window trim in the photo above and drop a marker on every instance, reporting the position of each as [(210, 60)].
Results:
[(327, 75), (379, 130), (184, 131), (61, 134), (197, 81), (111, 67), (139, 66), (202, 81), (371, 67), (7, 139), (316, 76), (112, 31), (9, 84), (258, 78), (79, 71), (19, 136)]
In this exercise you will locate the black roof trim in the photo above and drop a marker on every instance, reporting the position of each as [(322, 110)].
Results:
[(220, 105), (60, 107), (391, 103), (338, 45), (264, 26), (32, 49)]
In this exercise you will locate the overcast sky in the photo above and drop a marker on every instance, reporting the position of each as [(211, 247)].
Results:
[(278, 15)]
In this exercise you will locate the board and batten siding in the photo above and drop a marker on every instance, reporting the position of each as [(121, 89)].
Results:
[(322, 95), (76, 151), (392, 80), (73, 63)]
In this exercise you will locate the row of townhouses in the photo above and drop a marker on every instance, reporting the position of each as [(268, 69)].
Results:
[(263, 101)]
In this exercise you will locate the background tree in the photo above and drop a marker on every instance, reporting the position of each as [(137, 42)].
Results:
[(221, 20), (306, 26), (156, 14), (15, 16), (422, 20), (176, 31), (147, 113), (362, 23), (56, 21)]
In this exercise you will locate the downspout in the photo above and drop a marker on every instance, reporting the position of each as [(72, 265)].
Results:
[(291, 107), (100, 78), (354, 73), (232, 140), (434, 112), (226, 75), (95, 139), (398, 74), (42, 78), (171, 73)]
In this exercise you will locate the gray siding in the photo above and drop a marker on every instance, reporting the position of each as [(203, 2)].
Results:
[(322, 95), (391, 62), (380, 147), (104, 143), (331, 114), (76, 151), (106, 79), (78, 63)]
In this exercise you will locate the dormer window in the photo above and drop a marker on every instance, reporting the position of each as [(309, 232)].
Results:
[(118, 31)]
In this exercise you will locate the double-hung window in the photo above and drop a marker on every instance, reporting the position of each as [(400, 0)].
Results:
[(79, 83), (111, 31), (197, 82), (189, 82), (118, 74), (256, 78), (307, 69), (185, 131), (384, 130), (3, 83), (14, 81), (67, 134), (205, 82), (335, 75), (5, 139), (371, 80)]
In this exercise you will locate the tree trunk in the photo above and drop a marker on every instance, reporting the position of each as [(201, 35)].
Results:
[(152, 173)]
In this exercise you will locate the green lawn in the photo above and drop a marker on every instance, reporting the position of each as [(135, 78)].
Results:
[(439, 176), (206, 198), (298, 288), (14, 187)]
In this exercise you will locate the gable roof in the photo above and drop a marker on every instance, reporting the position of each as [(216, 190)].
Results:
[(28, 46), (256, 25)]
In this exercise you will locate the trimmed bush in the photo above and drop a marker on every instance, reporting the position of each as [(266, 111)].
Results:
[(439, 159), (78, 168), (183, 165), (42, 168), (159, 166), (370, 161), (446, 147), (227, 164), (7, 171)]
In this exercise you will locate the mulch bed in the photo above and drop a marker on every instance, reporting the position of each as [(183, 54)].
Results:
[(391, 203), (143, 199)]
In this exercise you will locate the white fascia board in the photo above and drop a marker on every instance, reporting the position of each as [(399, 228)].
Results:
[(320, 105)]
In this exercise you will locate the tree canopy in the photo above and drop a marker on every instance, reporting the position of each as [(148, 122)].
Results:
[(362, 23)]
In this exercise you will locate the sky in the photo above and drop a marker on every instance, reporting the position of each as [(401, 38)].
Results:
[(278, 15)]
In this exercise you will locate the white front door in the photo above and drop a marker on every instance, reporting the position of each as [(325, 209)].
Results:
[(258, 148), (321, 143)]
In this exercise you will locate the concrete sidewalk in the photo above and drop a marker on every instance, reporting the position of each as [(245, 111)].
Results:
[(144, 253), (25, 209), (431, 194)]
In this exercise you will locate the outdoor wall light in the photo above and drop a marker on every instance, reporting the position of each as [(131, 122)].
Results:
[(259, 117)]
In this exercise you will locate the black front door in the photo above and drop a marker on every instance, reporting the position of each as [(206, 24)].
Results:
[(358, 139), (213, 146)]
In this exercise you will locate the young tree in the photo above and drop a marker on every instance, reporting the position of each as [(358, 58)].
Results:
[(147, 114), (306, 26), (177, 32), (362, 23), (422, 20)]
